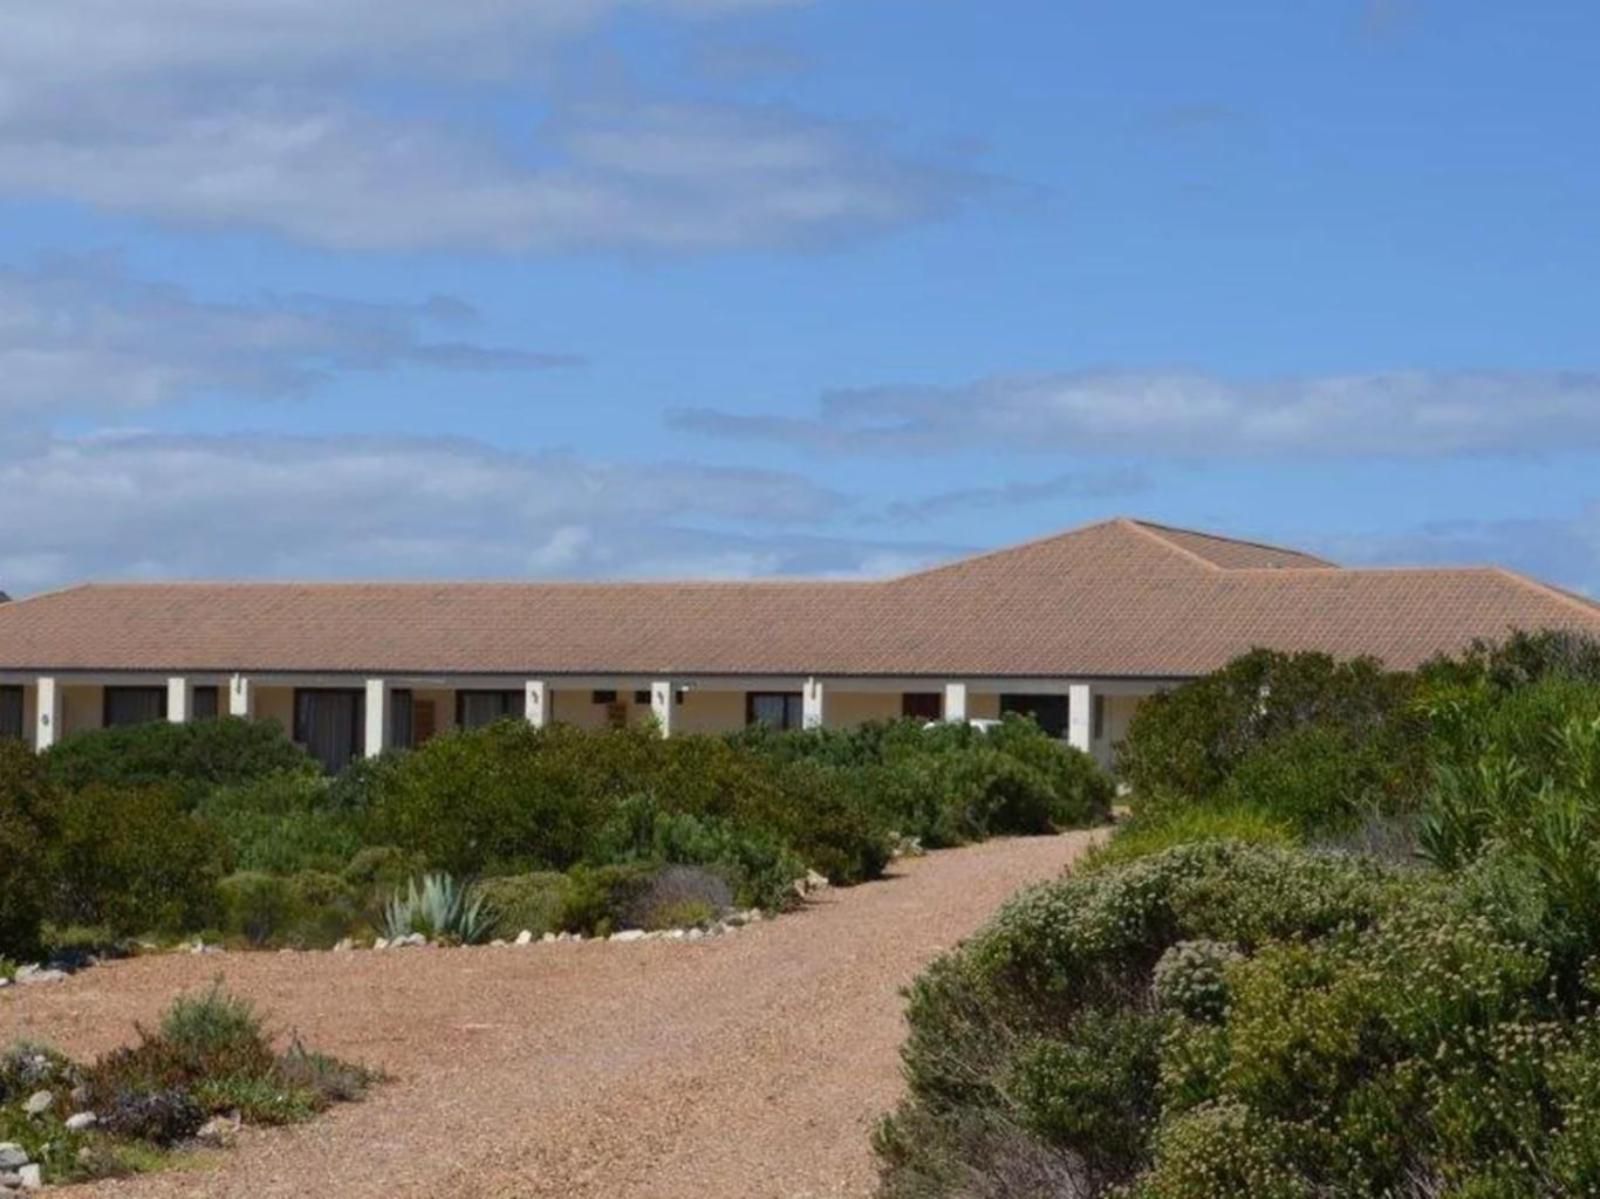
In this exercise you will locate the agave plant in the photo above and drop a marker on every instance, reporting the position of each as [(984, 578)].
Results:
[(440, 908)]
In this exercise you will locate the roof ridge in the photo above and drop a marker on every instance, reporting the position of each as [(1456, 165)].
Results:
[(1123, 522), (17, 601), (1149, 531), (348, 584), (1581, 602), (1156, 528)]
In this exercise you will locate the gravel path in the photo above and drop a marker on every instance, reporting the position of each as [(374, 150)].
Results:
[(747, 1067)]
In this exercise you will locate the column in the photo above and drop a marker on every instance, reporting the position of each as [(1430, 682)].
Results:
[(813, 705), (661, 704), (50, 705), (536, 703), (955, 703), (378, 716), (180, 701), (1080, 717), (241, 697)]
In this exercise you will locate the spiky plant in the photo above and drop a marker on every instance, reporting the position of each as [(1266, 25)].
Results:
[(441, 908)]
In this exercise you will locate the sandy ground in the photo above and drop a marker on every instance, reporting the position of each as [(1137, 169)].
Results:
[(748, 1067)]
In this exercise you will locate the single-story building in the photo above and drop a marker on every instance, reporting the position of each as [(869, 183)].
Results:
[(1074, 628)]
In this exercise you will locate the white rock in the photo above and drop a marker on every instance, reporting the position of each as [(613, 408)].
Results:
[(694, 934), (38, 1103), (816, 881), (548, 939), (345, 945), (381, 943), (11, 1156), (9, 1181), (525, 937), (79, 1121), (630, 934), (29, 976), (498, 943), (219, 1131), (32, 1178), (4, 983)]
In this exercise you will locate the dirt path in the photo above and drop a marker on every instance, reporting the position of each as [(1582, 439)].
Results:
[(748, 1067)]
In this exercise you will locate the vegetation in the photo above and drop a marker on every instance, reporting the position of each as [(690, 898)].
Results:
[(1348, 945), (210, 1056), (441, 910), (225, 830)]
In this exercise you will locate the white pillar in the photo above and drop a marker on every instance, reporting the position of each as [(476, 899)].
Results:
[(241, 697), (955, 703), (1080, 717), (377, 717), (536, 703), (50, 707), (180, 701), (661, 704), (813, 705)]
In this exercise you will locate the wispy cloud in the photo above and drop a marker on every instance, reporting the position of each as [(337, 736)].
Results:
[(1176, 415), (264, 507), (253, 114), (81, 334), (1075, 486)]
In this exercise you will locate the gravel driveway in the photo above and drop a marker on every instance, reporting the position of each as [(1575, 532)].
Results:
[(747, 1067)]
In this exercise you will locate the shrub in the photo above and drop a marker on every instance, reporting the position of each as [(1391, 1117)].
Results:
[(135, 861), (190, 759), (307, 910), (256, 906), (441, 909), (283, 824), (1154, 832), (1190, 978), (523, 901), (28, 825), (600, 898), (1184, 744), (380, 869), (680, 897), (1319, 779), (160, 1117)]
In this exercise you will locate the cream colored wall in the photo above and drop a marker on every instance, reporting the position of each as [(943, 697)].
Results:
[(444, 707), (845, 709), (573, 707), (710, 712), (83, 708), (983, 706), (275, 703)]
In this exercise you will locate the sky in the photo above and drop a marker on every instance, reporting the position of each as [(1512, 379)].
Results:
[(728, 288)]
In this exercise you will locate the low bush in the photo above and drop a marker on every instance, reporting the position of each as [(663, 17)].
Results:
[(135, 861), (1152, 832), (28, 826), (190, 760), (681, 897), (518, 902), (601, 899), (283, 824), (309, 910), (381, 869)]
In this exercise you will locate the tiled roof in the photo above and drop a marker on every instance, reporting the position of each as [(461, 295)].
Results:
[(1120, 598)]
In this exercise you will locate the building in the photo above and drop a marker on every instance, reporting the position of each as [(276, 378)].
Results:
[(1075, 628)]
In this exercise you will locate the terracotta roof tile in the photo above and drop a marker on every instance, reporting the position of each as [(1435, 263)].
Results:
[(1114, 599)]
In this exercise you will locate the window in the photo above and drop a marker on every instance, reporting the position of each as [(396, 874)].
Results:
[(11, 724), (775, 709), (1048, 711), (402, 722), (642, 697), (602, 697), (922, 705), (475, 709), (124, 706), (1099, 717), (207, 703), (330, 725)]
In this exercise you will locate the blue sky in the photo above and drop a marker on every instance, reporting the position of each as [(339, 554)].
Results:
[(565, 288)]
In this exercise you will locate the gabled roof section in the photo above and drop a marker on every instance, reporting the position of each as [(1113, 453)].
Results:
[(1229, 553)]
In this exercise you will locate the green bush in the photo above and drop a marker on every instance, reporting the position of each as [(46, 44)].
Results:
[(518, 902), (441, 909), (378, 870), (1320, 779), (28, 826), (601, 899), (283, 824), (135, 861), (258, 907), (309, 910), (191, 759), (1153, 832)]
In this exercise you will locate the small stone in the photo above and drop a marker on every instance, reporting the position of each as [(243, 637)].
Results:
[(695, 934), (41, 976), (4, 983), (525, 937), (548, 939), (220, 1131), (816, 881), (12, 1156), (79, 1121), (498, 943), (380, 943), (32, 1177), (629, 934), (345, 945), (9, 1179), (39, 1103)]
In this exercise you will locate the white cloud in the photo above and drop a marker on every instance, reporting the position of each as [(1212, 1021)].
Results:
[(253, 114), (1191, 415), (82, 335), (1016, 494), (262, 507)]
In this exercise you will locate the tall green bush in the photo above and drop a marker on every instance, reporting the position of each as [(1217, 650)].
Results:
[(28, 826), (188, 759)]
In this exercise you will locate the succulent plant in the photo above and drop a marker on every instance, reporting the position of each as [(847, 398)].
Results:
[(440, 908)]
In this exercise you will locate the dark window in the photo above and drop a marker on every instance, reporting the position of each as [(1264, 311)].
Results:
[(1099, 710), (402, 723), (922, 705), (1048, 711), (11, 713), (207, 703), (603, 697), (642, 697), (775, 709), (330, 725), (124, 706), (475, 709)]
